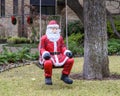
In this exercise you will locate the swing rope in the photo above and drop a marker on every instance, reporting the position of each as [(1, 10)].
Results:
[(66, 17), (40, 20), (40, 26)]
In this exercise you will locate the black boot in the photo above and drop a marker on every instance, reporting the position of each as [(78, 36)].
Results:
[(48, 81), (66, 79)]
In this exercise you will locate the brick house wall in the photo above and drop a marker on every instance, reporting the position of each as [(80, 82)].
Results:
[(7, 29)]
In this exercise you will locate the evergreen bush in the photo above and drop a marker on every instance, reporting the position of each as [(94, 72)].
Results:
[(7, 57), (75, 27), (75, 42), (114, 46)]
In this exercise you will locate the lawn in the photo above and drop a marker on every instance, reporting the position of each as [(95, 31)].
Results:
[(29, 81)]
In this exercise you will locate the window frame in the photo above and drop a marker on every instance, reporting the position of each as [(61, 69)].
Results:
[(2, 8), (15, 7)]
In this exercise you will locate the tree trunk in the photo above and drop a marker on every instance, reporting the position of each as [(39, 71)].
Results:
[(96, 63)]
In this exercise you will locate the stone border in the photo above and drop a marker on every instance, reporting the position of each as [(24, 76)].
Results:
[(7, 67)]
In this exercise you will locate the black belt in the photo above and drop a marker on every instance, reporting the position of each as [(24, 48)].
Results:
[(54, 53)]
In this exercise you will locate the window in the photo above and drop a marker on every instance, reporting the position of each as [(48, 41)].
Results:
[(2, 7), (48, 10), (15, 7), (47, 6)]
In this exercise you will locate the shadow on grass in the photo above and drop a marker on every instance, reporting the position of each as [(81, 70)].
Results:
[(57, 86), (113, 76)]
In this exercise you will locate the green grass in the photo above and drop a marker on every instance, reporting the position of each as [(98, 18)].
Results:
[(29, 81)]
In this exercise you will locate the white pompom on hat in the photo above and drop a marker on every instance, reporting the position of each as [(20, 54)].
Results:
[(53, 23)]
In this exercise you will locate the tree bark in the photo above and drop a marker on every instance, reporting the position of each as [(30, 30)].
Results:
[(96, 63)]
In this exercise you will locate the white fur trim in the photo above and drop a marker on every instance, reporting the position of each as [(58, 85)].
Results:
[(53, 25), (41, 62), (66, 51), (44, 53), (56, 58), (55, 46), (57, 64)]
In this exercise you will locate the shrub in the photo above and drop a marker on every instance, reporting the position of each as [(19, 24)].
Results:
[(78, 38), (17, 40), (77, 50), (75, 42), (7, 56), (114, 46), (75, 27)]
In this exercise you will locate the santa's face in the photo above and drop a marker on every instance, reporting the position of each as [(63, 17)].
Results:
[(54, 30), (53, 33)]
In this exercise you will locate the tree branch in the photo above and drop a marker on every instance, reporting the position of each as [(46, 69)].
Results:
[(112, 23), (77, 8)]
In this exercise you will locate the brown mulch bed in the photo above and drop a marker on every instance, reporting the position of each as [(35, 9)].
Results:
[(112, 76)]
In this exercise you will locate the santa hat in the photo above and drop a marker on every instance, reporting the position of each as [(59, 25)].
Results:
[(53, 23)]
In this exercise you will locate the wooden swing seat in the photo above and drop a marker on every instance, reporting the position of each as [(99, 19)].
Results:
[(42, 67)]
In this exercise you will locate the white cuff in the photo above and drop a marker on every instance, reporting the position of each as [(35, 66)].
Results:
[(53, 25), (66, 51), (44, 53)]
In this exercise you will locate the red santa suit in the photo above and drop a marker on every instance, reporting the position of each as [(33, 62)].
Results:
[(53, 44)]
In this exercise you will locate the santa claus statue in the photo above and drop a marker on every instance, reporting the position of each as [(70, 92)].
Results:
[(53, 52)]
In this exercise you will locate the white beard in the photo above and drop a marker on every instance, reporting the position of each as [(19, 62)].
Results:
[(53, 36)]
